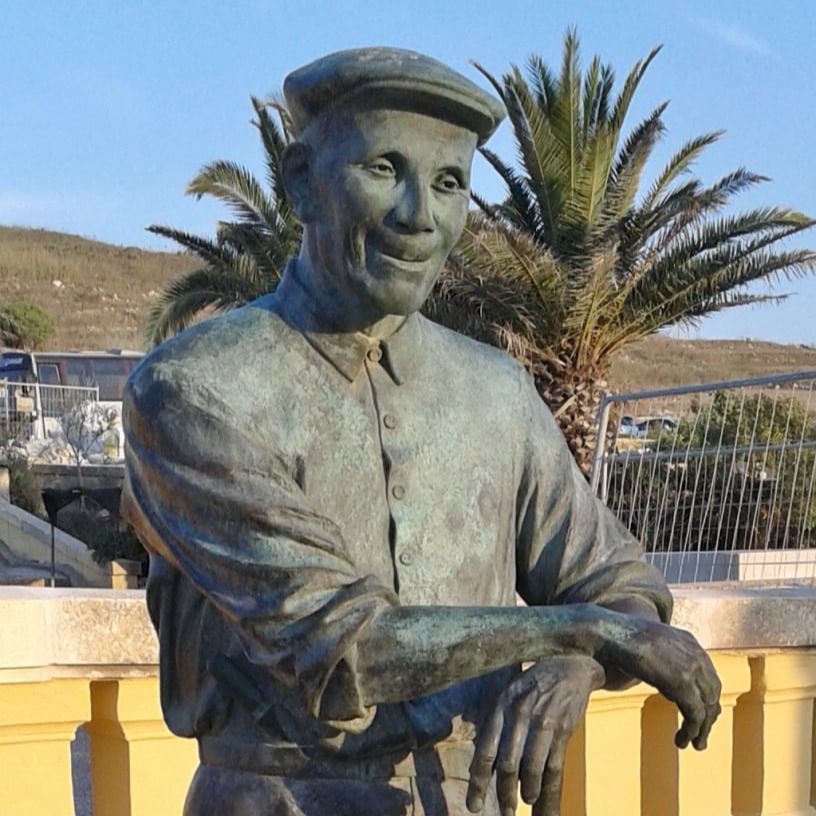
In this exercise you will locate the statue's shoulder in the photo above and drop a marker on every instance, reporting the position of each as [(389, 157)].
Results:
[(463, 353), (214, 352)]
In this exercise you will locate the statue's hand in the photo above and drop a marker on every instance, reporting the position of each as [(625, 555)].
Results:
[(525, 737), (674, 663)]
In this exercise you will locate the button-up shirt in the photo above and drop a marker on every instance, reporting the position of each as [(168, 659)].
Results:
[(292, 483)]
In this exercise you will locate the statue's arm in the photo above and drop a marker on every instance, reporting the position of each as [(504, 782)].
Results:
[(411, 651), (570, 547)]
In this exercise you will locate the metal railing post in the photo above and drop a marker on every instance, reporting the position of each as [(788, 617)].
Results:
[(599, 457)]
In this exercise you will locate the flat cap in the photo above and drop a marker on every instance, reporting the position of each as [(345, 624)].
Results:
[(384, 77)]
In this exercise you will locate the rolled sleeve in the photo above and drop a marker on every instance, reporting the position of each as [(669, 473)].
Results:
[(226, 511), (571, 548)]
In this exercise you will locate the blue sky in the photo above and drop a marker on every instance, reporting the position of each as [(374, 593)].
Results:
[(108, 109)]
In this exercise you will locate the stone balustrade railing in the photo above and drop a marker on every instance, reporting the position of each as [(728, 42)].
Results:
[(70, 658)]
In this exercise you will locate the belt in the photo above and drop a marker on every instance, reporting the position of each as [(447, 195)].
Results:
[(447, 760)]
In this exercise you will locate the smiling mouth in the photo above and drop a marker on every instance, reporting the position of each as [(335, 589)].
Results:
[(401, 259), (398, 254), (393, 250)]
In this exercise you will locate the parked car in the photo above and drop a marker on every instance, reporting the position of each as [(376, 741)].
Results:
[(627, 426), (654, 426)]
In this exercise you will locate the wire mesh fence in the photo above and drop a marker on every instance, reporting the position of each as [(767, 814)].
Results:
[(718, 481), (34, 410)]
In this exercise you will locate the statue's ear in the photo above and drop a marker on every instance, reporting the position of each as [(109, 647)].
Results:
[(296, 167)]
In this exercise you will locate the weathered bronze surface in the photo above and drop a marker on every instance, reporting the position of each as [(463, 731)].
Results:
[(342, 499)]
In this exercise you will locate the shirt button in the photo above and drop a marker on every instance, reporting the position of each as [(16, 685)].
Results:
[(390, 421), (406, 559), (374, 354), (398, 492)]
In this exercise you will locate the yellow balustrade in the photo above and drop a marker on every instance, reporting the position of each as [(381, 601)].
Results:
[(774, 737), (38, 722), (71, 658), (138, 766)]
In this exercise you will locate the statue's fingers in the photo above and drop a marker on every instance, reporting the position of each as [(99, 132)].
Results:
[(709, 683), (694, 715), (508, 760), (484, 758), (710, 688), (533, 762), (552, 780), (700, 742)]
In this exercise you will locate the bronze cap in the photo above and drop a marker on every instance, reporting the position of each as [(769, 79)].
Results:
[(390, 77)]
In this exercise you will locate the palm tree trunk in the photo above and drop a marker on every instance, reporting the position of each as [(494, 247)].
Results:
[(574, 398)]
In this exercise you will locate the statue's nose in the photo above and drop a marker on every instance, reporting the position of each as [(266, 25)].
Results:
[(412, 212)]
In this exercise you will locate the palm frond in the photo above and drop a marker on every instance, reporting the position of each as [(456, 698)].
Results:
[(215, 254), (543, 83), (631, 161), (236, 187), (630, 85), (249, 253), (537, 153), (274, 139), (521, 199), (202, 290), (564, 115), (679, 163)]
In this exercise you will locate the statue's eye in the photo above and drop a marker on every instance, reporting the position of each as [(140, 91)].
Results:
[(449, 183), (381, 167)]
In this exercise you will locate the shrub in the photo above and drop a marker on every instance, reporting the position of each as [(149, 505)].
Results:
[(103, 532), (109, 544), (23, 325), (24, 486)]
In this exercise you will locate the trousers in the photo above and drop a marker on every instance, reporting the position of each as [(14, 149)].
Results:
[(218, 791)]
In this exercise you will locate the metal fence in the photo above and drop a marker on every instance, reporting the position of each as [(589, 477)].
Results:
[(34, 410), (718, 481)]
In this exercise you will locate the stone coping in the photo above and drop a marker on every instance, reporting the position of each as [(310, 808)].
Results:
[(733, 616), (64, 632), (104, 633)]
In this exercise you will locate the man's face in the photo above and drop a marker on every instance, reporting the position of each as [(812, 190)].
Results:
[(391, 191)]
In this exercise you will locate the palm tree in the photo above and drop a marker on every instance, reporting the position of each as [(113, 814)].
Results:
[(249, 254), (574, 265)]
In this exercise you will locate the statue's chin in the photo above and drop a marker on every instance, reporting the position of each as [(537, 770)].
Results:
[(401, 299)]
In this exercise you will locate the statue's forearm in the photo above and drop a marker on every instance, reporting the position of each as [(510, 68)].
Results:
[(411, 651)]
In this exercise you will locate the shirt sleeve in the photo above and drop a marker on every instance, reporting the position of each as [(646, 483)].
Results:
[(570, 547), (227, 512)]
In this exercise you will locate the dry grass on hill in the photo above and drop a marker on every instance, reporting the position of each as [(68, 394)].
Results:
[(98, 294), (107, 291), (663, 362)]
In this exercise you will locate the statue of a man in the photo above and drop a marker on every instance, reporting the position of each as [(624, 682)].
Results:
[(341, 500)]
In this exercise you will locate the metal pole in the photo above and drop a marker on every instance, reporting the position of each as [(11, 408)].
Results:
[(600, 442), (53, 559)]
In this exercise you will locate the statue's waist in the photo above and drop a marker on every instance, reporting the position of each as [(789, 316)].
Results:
[(446, 760)]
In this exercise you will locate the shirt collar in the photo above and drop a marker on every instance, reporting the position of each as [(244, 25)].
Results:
[(345, 351)]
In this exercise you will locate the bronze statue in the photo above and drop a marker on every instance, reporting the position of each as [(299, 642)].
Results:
[(341, 500)]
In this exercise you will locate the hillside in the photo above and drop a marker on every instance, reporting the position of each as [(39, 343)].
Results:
[(99, 296), (663, 362)]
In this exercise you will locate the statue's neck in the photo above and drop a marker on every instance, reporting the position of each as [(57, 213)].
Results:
[(337, 308)]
